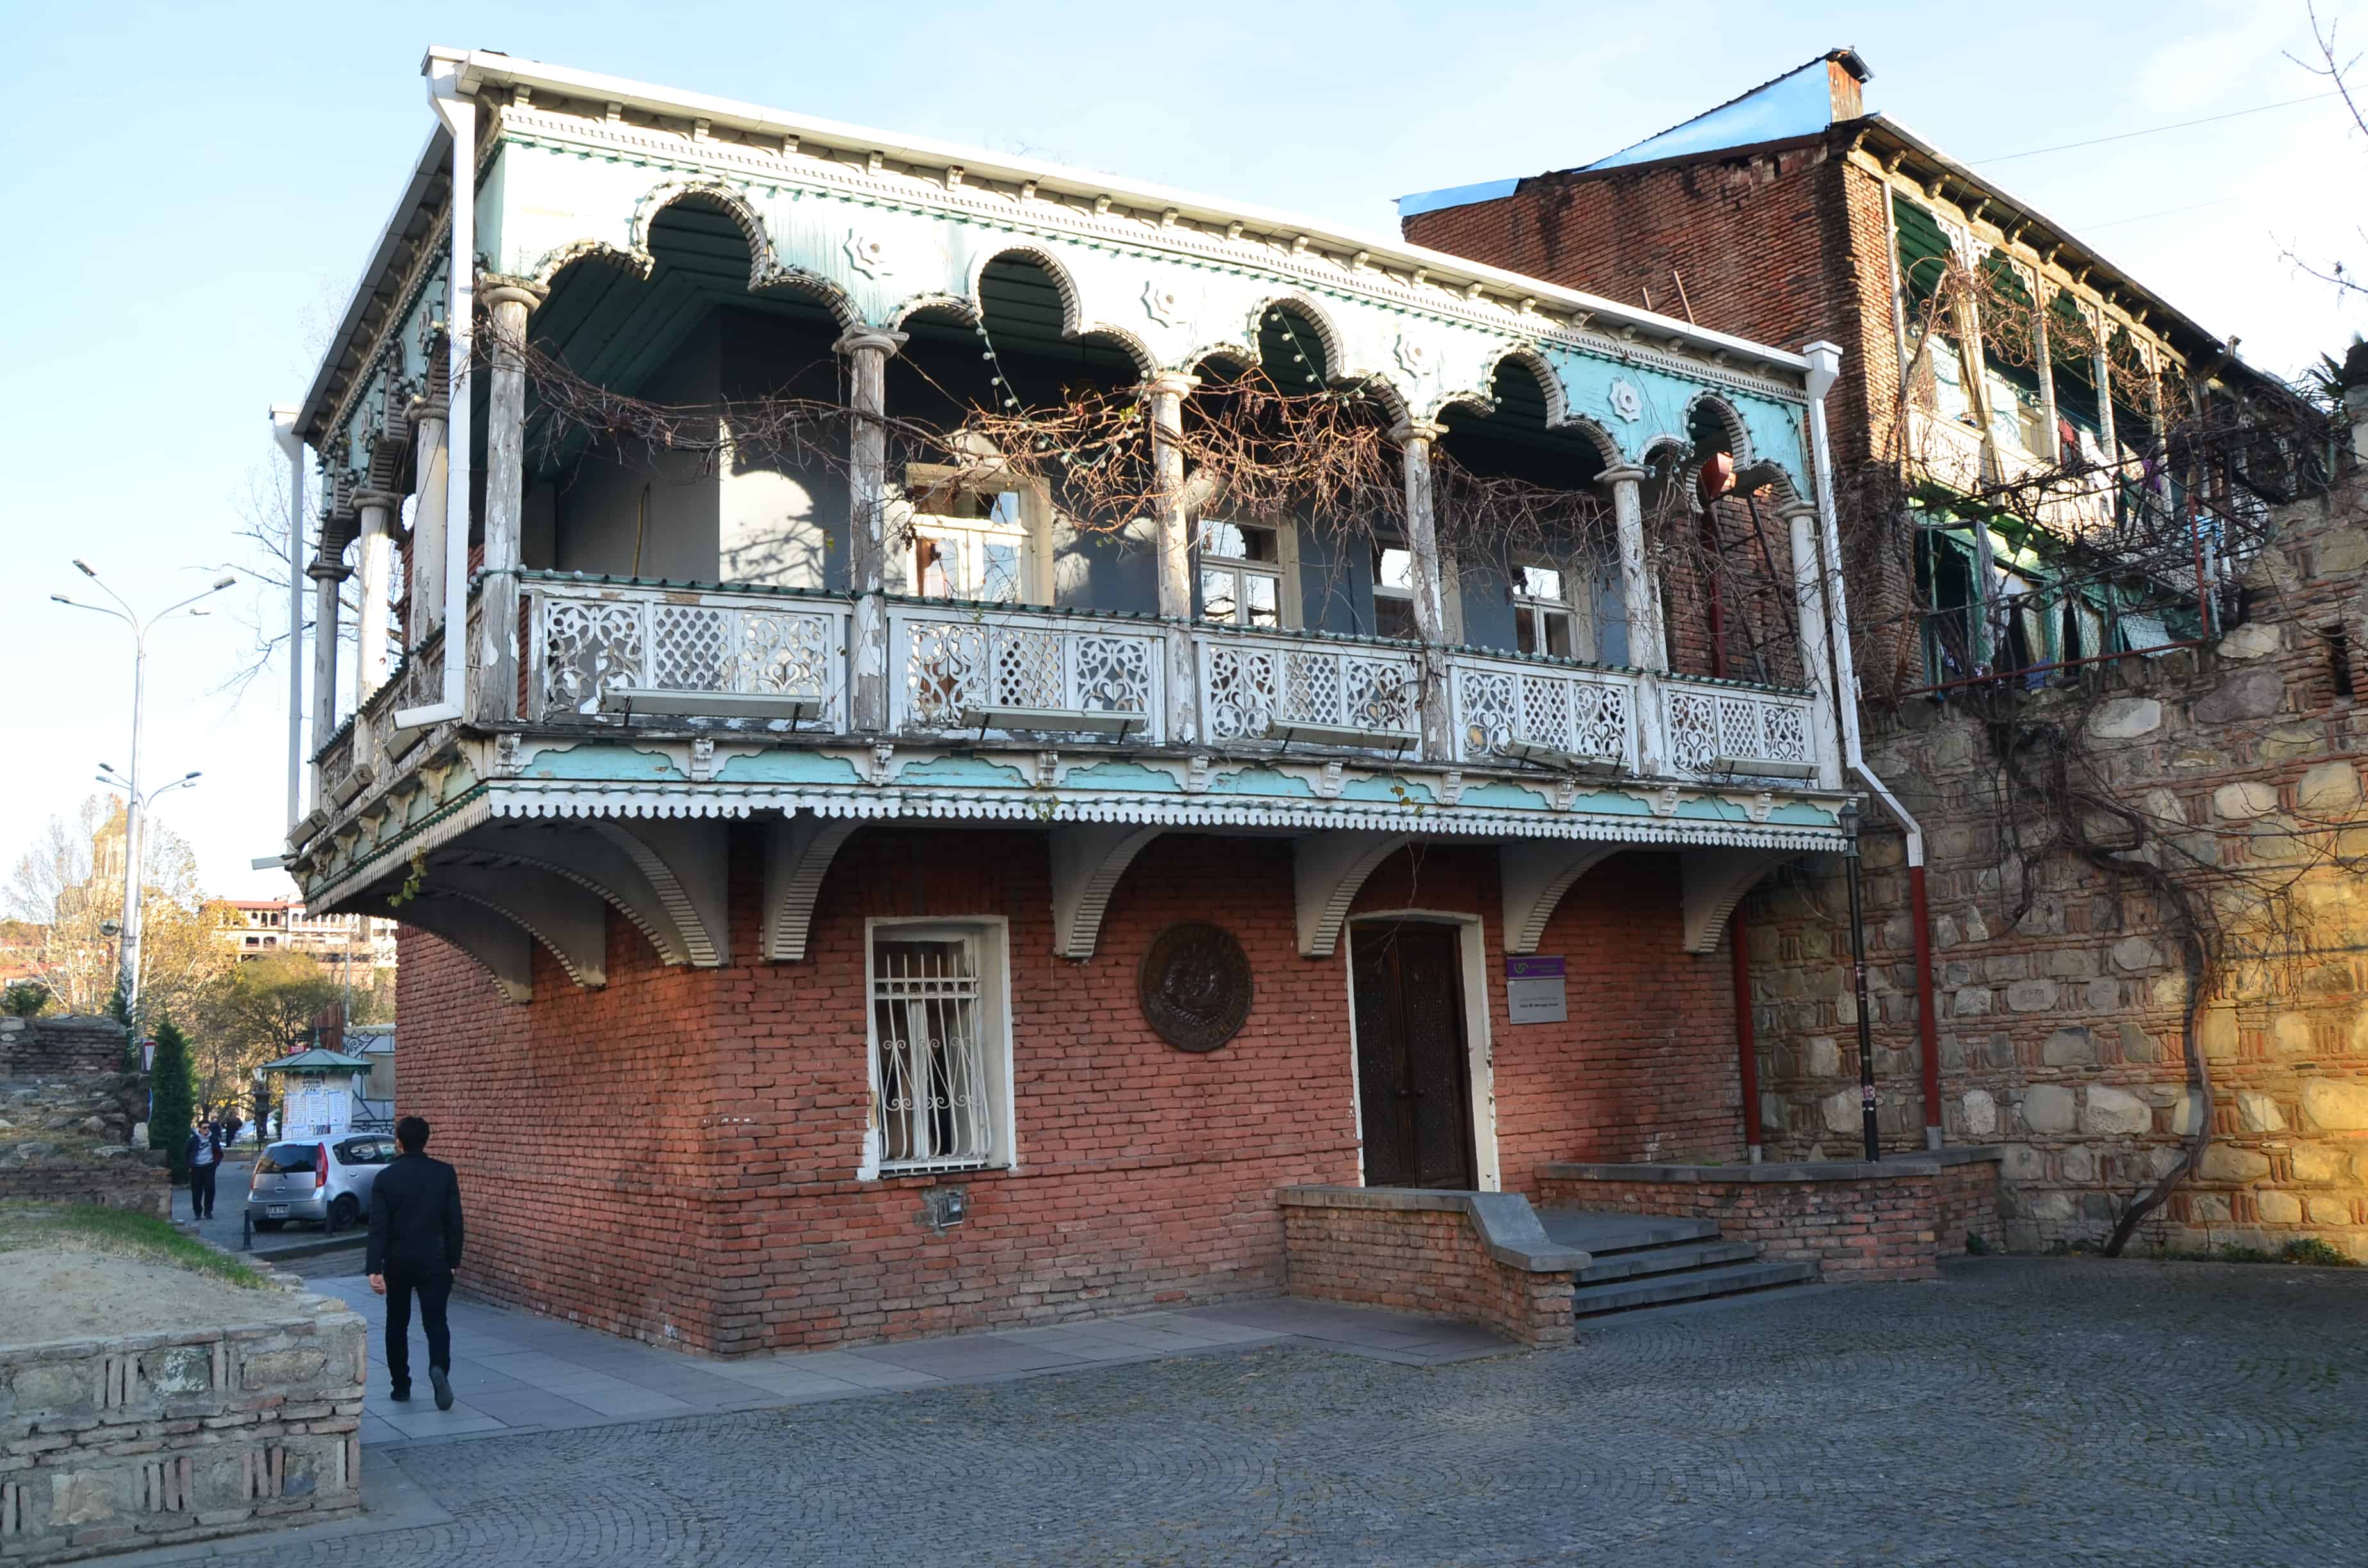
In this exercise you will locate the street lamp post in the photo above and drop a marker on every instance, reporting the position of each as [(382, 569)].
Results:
[(1857, 967), (128, 958)]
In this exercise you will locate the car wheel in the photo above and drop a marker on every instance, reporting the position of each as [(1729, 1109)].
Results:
[(270, 1224), (344, 1213)]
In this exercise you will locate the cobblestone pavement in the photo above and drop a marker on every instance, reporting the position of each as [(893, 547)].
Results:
[(2023, 1411)]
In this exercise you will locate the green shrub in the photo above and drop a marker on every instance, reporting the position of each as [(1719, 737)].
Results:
[(24, 998), (2319, 1251), (172, 1097)]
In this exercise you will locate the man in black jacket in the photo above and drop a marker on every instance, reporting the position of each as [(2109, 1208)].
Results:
[(414, 1245)]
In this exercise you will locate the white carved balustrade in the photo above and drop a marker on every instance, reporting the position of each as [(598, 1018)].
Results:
[(1945, 451), (601, 649), (1288, 686), (1515, 710), (1718, 731), (983, 668)]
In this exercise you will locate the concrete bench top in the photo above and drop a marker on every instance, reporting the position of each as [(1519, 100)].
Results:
[(1923, 1162), (1507, 1226)]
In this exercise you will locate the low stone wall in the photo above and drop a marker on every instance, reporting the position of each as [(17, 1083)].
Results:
[(1854, 1221), (64, 1047), (1479, 1256), (112, 1183), (144, 1439)]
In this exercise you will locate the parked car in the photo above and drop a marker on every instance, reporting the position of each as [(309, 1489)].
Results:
[(324, 1180)]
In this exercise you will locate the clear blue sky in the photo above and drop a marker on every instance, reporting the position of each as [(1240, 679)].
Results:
[(191, 188)]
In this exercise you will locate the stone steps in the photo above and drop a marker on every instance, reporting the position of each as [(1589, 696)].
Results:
[(1650, 1260), (1694, 1284)]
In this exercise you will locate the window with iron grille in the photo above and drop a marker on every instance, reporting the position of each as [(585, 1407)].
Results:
[(938, 1057)]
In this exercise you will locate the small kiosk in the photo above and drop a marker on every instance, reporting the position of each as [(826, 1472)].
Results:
[(317, 1093)]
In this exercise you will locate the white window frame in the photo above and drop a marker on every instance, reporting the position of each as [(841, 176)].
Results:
[(1399, 595), (992, 935), (1283, 570), (1573, 615), (1034, 534)]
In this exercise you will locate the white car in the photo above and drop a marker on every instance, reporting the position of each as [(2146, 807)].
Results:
[(325, 1180)]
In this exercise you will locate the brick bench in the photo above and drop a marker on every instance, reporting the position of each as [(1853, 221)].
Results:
[(1891, 1220), (1479, 1256)]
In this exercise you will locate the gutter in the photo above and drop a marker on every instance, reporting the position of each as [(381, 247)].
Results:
[(1825, 362), (457, 113)]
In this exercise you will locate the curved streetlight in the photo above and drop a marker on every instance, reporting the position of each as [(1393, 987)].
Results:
[(128, 959)]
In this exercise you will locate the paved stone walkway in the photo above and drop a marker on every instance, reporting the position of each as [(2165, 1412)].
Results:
[(2022, 1410)]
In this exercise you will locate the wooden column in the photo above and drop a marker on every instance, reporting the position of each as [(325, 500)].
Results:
[(1416, 439), (427, 587), (1812, 616), (868, 350), (1640, 596), (1168, 391), (325, 576), (376, 553), (497, 654)]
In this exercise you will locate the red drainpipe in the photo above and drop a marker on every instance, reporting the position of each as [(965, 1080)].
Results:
[(1746, 1051)]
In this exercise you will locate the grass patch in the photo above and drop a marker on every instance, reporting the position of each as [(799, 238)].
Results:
[(85, 1227), (2310, 1251)]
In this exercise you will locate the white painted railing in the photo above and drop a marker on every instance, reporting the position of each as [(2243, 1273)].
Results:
[(1945, 451), (1724, 731), (594, 648), (980, 667), (1279, 686), (1508, 709)]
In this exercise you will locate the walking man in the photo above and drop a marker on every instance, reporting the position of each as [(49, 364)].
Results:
[(415, 1245), (204, 1155)]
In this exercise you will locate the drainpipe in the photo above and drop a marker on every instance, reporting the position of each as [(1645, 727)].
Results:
[(458, 114), (1738, 934), (291, 445), (1825, 362)]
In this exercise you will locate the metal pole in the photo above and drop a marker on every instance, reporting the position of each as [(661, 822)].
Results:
[(128, 950), (1857, 967)]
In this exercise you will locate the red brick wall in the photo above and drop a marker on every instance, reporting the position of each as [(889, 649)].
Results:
[(1886, 1227), (674, 1156), (1422, 1260)]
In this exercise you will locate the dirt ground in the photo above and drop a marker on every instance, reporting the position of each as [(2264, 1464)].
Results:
[(51, 1291)]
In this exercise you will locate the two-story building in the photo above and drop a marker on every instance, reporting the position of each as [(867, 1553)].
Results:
[(817, 816)]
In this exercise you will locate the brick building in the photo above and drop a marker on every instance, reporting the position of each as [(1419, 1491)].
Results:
[(2068, 510), (877, 893)]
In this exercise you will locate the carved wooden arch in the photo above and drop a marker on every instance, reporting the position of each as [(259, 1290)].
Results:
[(1730, 422), (1328, 337), (798, 853), (570, 921), (1535, 874), (1073, 304), (762, 263), (684, 861), (494, 942), (592, 862), (1712, 882), (1088, 858), (1328, 869)]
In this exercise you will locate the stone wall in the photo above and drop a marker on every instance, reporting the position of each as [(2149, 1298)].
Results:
[(147, 1439), (64, 1047), (2060, 1027), (1854, 1221), (1479, 1256), (68, 1140)]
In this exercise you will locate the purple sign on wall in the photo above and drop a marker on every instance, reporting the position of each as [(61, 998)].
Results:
[(1534, 991)]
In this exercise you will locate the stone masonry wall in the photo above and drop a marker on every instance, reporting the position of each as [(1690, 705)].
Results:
[(2060, 1031), (697, 1132), (149, 1439), (59, 1047), (68, 1140)]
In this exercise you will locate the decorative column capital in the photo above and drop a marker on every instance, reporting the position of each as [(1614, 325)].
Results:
[(385, 500), (496, 291), (1799, 507), (1624, 474), (874, 339), (1171, 383), (327, 571), (1417, 430)]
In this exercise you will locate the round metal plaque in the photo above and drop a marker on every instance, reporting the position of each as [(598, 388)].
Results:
[(1195, 984)]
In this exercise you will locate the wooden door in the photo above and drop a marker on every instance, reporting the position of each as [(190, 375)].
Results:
[(1414, 1081)]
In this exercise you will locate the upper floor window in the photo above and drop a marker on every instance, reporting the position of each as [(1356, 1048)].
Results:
[(975, 538), (1545, 616), (1393, 593), (940, 1059), (1241, 573)]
